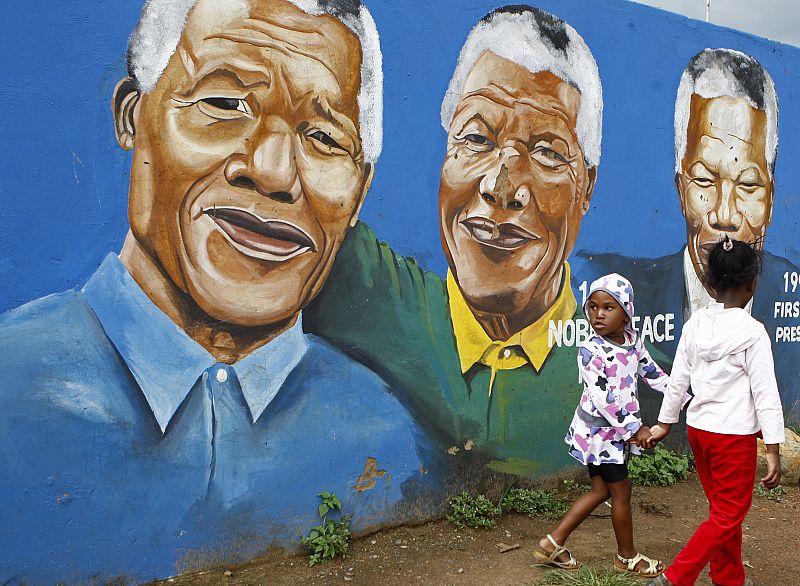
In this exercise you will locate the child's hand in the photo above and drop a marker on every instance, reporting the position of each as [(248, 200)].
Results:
[(773, 477), (657, 433), (640, 436)]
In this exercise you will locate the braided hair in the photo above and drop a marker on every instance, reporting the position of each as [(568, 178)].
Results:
[(732, 264)]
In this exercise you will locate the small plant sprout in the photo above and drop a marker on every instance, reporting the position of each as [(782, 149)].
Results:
[(330, 538), (771, 494)]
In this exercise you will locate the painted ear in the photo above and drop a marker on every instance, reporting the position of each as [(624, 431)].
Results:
[(679, 188), (369, 173), (591, 173), (770, 201), (126, 97)]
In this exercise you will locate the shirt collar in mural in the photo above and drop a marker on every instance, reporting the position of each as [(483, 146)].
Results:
[(165, 361), (474, 344), (696, 295)]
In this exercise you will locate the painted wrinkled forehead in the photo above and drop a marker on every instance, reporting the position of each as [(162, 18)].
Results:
[(716, 73), (161, 25), (537, 41), (618, 287)]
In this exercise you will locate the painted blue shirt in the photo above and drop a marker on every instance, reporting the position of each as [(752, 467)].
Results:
[(127, 449)]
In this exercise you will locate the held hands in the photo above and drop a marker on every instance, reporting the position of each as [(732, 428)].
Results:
[(773, 477), (648, 437), (657, 433), (640, 436)]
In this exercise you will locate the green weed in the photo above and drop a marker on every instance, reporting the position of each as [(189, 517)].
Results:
[(534, 502), (479, 511), (659, 468), (578, 487), (771, 494), (472, 511), (330, 538)]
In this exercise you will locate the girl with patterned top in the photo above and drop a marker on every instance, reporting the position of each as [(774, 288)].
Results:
[(606, 426)]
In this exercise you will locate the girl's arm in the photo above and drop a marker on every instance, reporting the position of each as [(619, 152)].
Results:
[(677, 393), (600, 388), (764, 388), (651, 372)]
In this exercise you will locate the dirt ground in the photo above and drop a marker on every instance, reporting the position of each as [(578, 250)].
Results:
[(437, 553)]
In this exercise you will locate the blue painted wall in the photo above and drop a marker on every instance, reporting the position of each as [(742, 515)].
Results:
[(63, 180)]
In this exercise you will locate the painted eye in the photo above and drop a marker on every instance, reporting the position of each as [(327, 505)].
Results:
[(325, 143), (477, 139), (223, 103), (549, 157), (750, 187), (703, 182), (477, 142), (224, 108)]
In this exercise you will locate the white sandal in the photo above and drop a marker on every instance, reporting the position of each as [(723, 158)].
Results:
[(552, 558), (654, 567)]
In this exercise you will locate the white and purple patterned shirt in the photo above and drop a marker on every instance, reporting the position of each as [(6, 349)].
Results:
[(608, 413)]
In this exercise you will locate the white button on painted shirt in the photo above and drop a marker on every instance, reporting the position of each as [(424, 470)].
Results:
[(222, 375), (506, 353)]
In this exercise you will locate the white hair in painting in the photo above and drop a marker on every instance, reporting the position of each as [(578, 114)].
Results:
[(714, 73), (161, 24), (537, 41)]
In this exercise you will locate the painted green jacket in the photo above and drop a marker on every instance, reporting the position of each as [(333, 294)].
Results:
[(385, 311)]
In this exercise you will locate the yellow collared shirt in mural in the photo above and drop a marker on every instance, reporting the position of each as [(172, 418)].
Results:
[(528, 346), (406, 323)]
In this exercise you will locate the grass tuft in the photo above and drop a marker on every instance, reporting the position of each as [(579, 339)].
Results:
[(586, 576)]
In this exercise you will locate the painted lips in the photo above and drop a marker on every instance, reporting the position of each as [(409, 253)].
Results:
[(505, 236), (708, 247), (252, 235)]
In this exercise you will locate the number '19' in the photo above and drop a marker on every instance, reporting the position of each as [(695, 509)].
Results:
[(792, 279)]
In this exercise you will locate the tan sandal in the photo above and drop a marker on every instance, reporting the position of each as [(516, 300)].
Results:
[(551, 559), (654, 567)]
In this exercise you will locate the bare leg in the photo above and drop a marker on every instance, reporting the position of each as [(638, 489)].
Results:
[(621, 517), (580, 509), (622, 520)]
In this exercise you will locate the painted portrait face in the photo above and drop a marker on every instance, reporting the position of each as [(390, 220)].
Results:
[(514, 187), (247, 167), (724, 184)]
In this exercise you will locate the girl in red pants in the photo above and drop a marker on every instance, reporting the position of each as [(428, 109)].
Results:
[(725, 355)]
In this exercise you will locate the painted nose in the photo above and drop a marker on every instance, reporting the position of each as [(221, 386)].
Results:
[(725, 216), (268, 164), (507, 184)]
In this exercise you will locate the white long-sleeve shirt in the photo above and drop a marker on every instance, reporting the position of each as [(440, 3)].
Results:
[(726, 357)]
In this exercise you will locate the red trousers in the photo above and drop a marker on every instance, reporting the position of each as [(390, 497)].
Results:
[(726, 465)]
